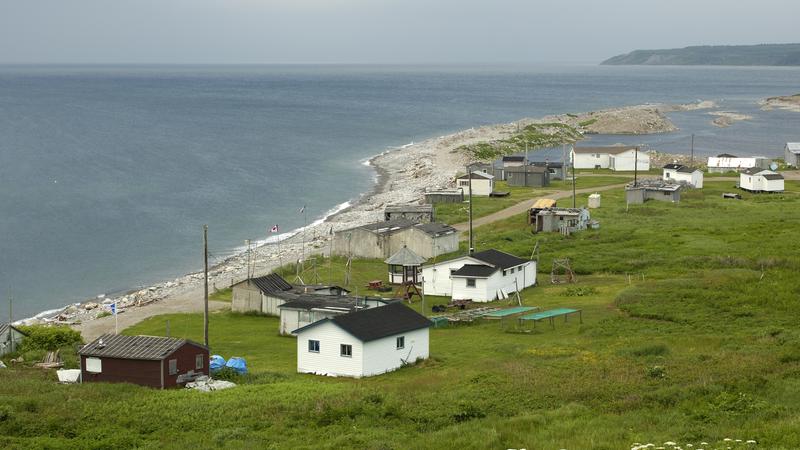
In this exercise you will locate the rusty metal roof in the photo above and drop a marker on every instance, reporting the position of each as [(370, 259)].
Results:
[(152, 348)]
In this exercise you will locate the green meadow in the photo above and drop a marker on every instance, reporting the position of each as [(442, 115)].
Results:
[(689, 335)]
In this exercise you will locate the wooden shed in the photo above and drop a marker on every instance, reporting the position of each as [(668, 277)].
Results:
[(153, 361), (10, 338), (261, 294)]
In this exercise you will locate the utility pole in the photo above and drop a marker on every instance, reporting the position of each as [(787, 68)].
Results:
[(574, 201), (205, 284), (635, 165), (471, 241), (691, 161), (247, 243)]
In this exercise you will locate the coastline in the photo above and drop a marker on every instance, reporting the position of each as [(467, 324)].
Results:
[(402, 175)]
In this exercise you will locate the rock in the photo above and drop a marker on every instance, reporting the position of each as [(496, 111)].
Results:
[(2, 365), (90, 306)]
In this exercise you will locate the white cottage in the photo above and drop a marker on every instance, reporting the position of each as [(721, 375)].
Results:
[(617, 158), (731, 163), (480, 277), (363, 343), (10, 338), (761, 180), (681, 174), (482, 184)]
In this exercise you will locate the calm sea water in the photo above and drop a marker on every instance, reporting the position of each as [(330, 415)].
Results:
[(107, 174)]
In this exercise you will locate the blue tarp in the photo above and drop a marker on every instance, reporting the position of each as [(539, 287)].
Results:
[(237, 364), (216, 362)]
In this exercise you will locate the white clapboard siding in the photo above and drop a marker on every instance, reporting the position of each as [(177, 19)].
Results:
[(329, 361)]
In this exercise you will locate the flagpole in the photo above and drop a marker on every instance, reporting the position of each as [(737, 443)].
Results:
[(116, 321)]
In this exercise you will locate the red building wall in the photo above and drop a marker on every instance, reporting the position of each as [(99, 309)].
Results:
[(145, 372)]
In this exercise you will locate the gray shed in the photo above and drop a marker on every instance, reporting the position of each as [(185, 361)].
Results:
[(413, 212), (444, 196), (530, 176), (262, 294), (792, 153), (10, 338), (556, 169), (641, 193)]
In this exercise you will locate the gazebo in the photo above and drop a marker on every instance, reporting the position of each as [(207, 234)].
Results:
[(404, 267)]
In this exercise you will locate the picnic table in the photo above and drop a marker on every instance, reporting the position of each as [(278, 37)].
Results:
[(375, 284)]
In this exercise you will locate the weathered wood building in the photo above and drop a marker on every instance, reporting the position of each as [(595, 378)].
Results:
[(528, 176), (262, 294), (413, 212), (10, 338), (382, 239), (659, 191), (153, 361)]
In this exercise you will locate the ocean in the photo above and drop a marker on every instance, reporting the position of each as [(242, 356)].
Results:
[(108, 173)]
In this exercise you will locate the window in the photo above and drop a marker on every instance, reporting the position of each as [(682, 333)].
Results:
[(463, 182), (346, 350), (94, 365), (173, 366), (666, 174), (512, 270), (401, 342), (313, 346), (198, 361), (470, 282)]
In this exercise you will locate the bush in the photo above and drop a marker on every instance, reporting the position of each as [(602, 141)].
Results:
[(650, 350), (582, 291), (5, 413), (49, 338), (656, 372)]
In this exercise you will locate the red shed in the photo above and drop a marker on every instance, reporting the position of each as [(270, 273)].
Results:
[(153, 361)]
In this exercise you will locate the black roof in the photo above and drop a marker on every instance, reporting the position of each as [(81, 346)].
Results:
[(686, 169), (546, 164), (513, 158), (475, 270), (271, 283), (498, 259), (673, 166), (773, 176), (119, 346), (379, 322), (726, 155), (754, 170), (387, 225), (435, 228)]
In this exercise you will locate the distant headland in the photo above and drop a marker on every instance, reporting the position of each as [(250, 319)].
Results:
[(713, 55)]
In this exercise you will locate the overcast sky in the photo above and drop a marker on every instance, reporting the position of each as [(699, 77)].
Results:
[(377, 31)]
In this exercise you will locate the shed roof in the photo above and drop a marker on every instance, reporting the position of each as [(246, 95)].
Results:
[(310, 302), (475, 270), (435, 229), (543, 203), (673, 166), (498, 259), (793, 147), (405, 257), (513, 158), (773, 176), (411, 207), (153, 348), (546, 164), (270, 283), (4, 327), (476, 174), (754, 170), (375, 323), (611, 150), (726, 155), (529, 169)]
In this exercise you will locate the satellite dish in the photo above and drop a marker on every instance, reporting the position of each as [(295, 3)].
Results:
[(773, 166)]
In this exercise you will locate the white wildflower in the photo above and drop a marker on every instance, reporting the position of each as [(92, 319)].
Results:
[(728, 440)]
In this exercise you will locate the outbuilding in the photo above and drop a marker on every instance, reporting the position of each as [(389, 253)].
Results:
[(481, 277), (761, 180), (444, 196), (363, 343), (561, 220), (528, 176), (726, 162), (652, 190), (153, 361), (404, 267), (413, 212), (555, 169), (681, 174), (482, 183), (617, 158), (792, 154), (382, 239), (10, 338), (261, 294)]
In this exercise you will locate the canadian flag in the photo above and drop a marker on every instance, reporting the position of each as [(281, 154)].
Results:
[(274, 229)]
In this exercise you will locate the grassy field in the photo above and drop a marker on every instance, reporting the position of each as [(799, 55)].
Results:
[(689, 335), (483, 206)]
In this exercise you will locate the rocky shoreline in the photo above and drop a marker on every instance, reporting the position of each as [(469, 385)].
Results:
[(403, 175)]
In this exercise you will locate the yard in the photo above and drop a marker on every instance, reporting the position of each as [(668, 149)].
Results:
[(689, 335)]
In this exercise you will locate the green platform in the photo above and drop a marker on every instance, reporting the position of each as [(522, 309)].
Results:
[(508, 312)]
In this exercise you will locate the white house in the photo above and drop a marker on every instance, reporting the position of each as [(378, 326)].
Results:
[(363, 343), (791, 153), (617, 158), (731, 163), (480, 277), (482, 183), (680, 174), (10, 338), (761, 180)]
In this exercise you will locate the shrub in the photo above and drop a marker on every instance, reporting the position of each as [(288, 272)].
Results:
[(581, 291), (656, 372), (5, 413), (49, 338), (650, 350)]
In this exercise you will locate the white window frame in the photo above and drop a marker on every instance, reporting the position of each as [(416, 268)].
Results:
[(94, 365), (348, 353), (471, 282), (310, 350), (198, 361), (172, 366), (400, 342)]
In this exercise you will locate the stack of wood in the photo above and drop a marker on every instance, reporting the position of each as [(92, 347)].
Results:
[(52, 360)]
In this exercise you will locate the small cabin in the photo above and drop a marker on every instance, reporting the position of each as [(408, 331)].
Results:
[(527, 176), (664, 192), (761, 180), (153, 361), (482, 184), (682, 174)]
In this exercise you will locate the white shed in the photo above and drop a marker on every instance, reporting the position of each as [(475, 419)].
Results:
[(10, 338), (761, 180), (363, 343), (731, 163), (480, 277), (482, 184), (681, 174)]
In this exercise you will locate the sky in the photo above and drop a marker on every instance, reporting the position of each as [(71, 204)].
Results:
[(376, 31)]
